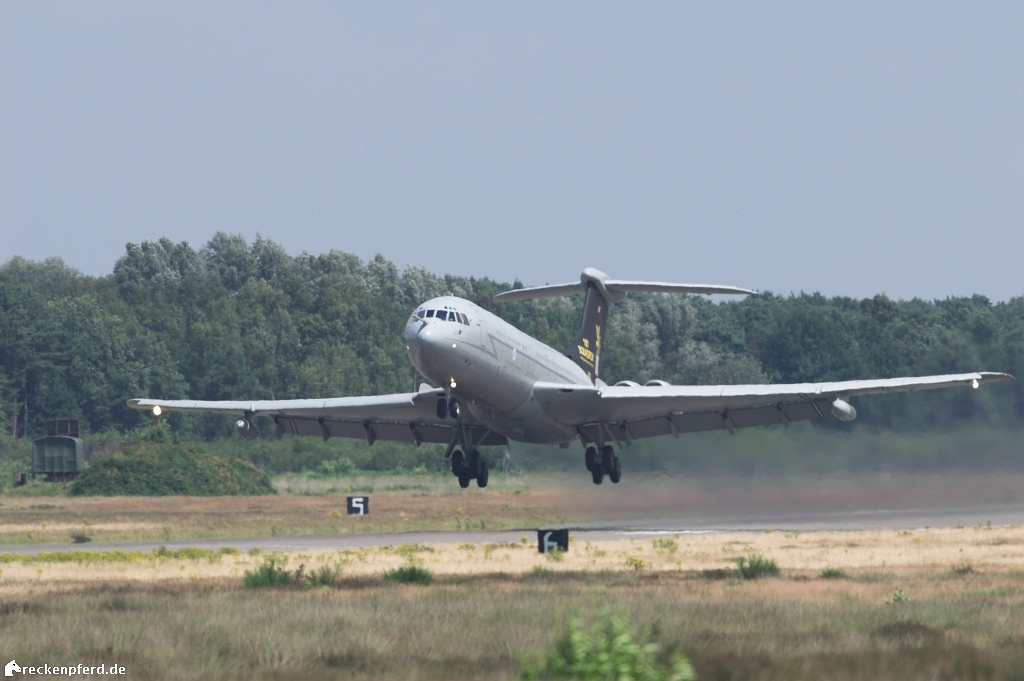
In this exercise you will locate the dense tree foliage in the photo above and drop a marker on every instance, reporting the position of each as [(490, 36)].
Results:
[(154, 464), (248, 321)]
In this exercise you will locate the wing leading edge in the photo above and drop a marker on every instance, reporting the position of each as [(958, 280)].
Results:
[(403, 417), (626, 413)]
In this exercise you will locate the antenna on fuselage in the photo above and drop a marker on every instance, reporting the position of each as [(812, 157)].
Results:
[(600, 292)]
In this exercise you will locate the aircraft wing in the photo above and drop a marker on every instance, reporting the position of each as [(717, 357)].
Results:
[(623, 413), (404, 417)]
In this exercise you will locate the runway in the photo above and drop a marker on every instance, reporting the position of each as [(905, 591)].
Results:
[(1004, 514)]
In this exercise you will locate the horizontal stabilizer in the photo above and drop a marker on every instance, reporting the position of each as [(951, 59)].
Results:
[(535, 292), (661, 287), (613, 290)]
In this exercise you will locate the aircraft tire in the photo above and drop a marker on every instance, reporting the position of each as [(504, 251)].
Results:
[(454, 410), (481, 479), (457, 460), (474, 463), (616, 473), (590, 458), (442, 408), (598, 475), (464, 481), (607, 458)]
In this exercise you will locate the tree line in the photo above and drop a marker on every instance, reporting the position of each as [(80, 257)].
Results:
[(240, 320)]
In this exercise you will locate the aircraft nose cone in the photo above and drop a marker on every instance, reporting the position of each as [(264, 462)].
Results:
[(420, 338), (412, 331), (425, 344)]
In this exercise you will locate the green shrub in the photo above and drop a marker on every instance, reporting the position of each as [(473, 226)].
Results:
[(607, 651), (325, 575), (343, 467), (270, 573), (665, 545), (832, 573), (755, 565), (151, 468), (899, 596), (410, 574)]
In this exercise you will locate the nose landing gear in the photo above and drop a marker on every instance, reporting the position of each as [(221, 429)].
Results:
[(605, 464), (448, 406)]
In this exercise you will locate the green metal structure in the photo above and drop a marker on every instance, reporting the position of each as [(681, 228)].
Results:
[(61, 454)]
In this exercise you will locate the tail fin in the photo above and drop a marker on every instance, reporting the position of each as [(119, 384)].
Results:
[(601, 291), (586, 349)]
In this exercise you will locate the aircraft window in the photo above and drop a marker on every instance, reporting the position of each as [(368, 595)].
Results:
[(430, 313), (465, 319), (419, 313), (441, 314)]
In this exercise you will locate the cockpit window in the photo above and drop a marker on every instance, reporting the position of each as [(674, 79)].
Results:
[(430, 313), (441, 314), (465, 319), (419, 314)]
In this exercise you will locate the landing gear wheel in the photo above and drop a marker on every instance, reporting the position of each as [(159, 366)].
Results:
[(616, 472), (453, 408), (457, 461), (442, 408), (474, 463), (590, 458), (481, 478), (598, 475), (607, 458), (464, 481)]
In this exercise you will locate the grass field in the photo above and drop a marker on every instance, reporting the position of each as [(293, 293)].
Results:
[(927, 604), (937, 603)]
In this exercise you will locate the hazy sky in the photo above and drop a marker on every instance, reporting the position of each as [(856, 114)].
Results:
[(847, 148)]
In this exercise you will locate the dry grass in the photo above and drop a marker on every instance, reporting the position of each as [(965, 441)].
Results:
[(55, 519), (425, 502), (482, 626), (490, 607), (982, 548)]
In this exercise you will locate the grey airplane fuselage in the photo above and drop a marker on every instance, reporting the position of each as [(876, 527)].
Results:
[(490, 366)]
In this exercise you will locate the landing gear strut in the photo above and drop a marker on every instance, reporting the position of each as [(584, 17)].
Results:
[(605, 464)]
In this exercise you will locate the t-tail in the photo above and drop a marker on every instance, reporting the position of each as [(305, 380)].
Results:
[(600, 293), (586, 349)]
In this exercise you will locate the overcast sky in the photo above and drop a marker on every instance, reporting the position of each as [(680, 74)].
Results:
[(849, 148)]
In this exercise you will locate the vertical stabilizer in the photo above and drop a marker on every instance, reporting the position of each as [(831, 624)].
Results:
[(586, 349), (602, 291)]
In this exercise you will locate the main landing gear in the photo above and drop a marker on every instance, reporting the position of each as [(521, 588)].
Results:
[(605, 464), (466, 468)]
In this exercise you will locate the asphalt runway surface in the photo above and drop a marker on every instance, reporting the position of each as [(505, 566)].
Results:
[(1004, 514)]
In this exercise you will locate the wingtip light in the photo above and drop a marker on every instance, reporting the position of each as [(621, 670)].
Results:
[(157, 410), (975, 384)]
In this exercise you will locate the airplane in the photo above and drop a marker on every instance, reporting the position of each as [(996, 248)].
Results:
[(500, 384)]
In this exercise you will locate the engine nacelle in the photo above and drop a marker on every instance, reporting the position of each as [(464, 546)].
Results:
[(657, 383), (247, 429), (843, 410), (627, 384)]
